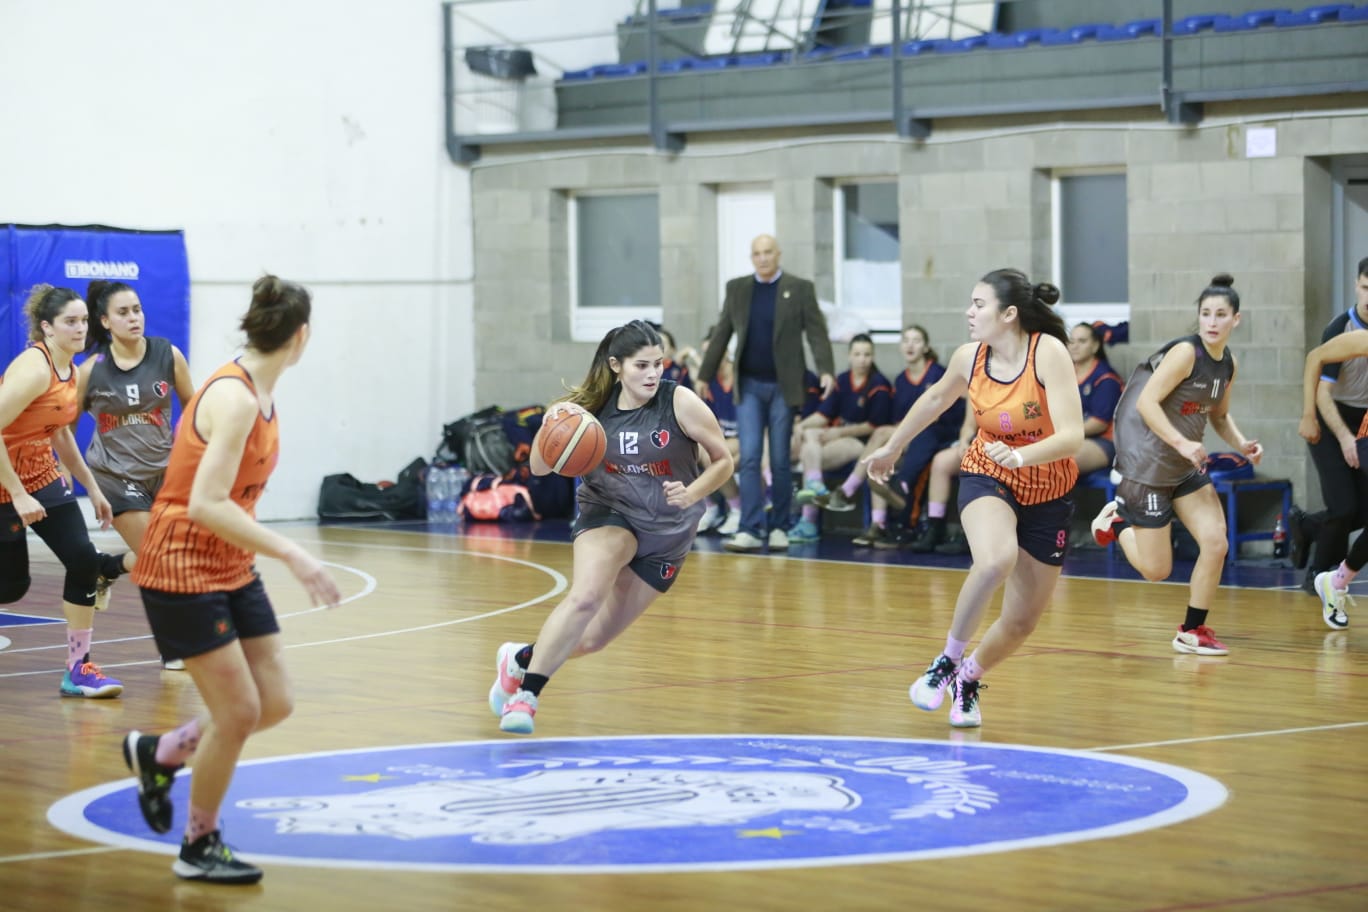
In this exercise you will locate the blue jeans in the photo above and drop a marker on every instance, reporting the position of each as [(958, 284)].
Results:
[(763, 409)]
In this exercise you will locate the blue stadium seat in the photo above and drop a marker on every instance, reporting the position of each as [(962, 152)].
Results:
[(1312, 15), (960, 45), (1139, 28), (868, 52), (1075, 34), (764, 58), (1191, 25), (1354, 14), (1024, 38), (1251, 20), (913, 48)]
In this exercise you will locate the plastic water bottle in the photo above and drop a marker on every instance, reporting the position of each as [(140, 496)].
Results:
[(436, 481), (457, 479), (1280, 537)]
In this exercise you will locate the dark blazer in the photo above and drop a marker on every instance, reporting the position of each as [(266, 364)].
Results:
[(796, 314)]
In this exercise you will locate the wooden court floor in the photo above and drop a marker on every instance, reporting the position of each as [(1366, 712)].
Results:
[(743, 645)]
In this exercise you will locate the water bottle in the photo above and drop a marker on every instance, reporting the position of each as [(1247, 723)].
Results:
[(436, 481), (456, 484), (1280, 537)]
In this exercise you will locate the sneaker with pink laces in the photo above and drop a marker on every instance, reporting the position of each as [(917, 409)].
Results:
[(518, 713), (509, 675), (1200, 641), (87, 680), (1103, 522)]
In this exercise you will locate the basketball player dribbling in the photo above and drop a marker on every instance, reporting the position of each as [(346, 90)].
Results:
[(638, 512)]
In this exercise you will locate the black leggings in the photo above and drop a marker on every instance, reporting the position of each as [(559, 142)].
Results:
[(63, 529), (1344, 489)]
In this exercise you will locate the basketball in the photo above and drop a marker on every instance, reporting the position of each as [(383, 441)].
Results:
[(572, 443)]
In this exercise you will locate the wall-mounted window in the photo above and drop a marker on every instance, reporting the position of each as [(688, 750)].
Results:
[(868, 264), (1091, 265), (614, 262)]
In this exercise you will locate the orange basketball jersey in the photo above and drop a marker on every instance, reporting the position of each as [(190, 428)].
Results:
[(1015, 412), (178, 554), (28, 439)]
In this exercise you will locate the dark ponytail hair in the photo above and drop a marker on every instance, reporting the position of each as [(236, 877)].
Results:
[(44, 303), (865, 337), (620, 343), (277, 311), (98, 293), (1034, 303), (1221, 286), (926, 338)]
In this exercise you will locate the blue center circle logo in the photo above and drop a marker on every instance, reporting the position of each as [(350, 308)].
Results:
[(663, 803)]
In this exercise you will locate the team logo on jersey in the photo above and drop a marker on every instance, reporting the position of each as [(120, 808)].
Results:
[(653, 803), (1031, 410), (668, 570), (661, 438), (160, 389)]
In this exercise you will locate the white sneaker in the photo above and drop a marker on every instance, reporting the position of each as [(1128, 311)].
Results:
[(1103, 522), (1332, 601), (731, 525), (778, 539), (743, 541), (173, 664), (508, 676), (708, 519), (518, 712)]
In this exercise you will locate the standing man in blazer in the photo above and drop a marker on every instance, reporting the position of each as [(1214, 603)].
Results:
[(770, 313)]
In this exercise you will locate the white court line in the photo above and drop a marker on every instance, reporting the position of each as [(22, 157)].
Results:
[(1232, 737), (561, 584)]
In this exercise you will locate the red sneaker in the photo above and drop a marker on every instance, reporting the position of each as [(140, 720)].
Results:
[(1199, 641), (1102, 524)]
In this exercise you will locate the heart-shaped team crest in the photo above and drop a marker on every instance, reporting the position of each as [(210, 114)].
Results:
[(160, 388), (661, 438)]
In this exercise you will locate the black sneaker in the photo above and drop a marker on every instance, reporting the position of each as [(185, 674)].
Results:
[(154, 779), (871, 536), (931, 535), (208, 859)]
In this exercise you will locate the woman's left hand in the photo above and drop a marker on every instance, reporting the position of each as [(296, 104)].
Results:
[(1003, 455), (677, 494)]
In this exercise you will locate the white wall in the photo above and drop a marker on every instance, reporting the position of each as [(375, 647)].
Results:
[(303, 138)]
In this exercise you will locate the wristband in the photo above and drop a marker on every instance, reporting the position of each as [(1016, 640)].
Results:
[(1020, 460)]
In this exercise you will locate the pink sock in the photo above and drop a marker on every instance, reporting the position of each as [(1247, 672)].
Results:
[(877, 517), (1342, 576), (810, 513), (971, 670), (955, 648), (175, 747), (78, 645), (852, 484), (935, 510), (810, 477), (734, 503), (200, 822)]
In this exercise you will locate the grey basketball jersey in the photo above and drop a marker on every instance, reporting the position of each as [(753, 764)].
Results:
[(132, 410), (1140, 453), (646, 448)]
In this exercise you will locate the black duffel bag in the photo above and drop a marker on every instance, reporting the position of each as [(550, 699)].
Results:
[(342, 498)]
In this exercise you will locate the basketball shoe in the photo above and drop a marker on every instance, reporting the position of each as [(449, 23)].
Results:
[(210, 860), (154, 779), (1332, 601), (964, 703), (1199, 640), (928, 691), (509, 677), (518, 713), (87, 680)]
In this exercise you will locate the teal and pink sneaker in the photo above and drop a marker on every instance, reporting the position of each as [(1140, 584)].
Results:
[(518, 713)]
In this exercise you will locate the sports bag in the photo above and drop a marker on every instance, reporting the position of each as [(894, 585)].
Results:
[(343, 498), (491, 499)]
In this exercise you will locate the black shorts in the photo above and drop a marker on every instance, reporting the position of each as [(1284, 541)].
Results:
[(1148, 507), (49, 495), (658, 556), (1042, 530), (126, 495), (187, 624)]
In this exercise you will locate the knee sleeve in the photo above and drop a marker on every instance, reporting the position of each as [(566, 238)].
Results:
[(12, 589), (82, 568)]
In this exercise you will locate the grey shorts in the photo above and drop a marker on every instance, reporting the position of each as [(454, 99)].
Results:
[(126, 495), (658, 557), (1152, 508)]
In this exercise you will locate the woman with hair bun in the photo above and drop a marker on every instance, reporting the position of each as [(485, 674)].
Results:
[(1160, 423), (203, 597), (1016, 476)]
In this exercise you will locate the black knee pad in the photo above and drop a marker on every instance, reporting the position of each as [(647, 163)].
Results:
[(12, 590), (82, 567)]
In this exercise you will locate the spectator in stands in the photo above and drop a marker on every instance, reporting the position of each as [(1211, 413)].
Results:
[(770, 313), (1100, 389), (945, 468), (923, 369), (676, 367), (1160, 423), (835, 435)]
